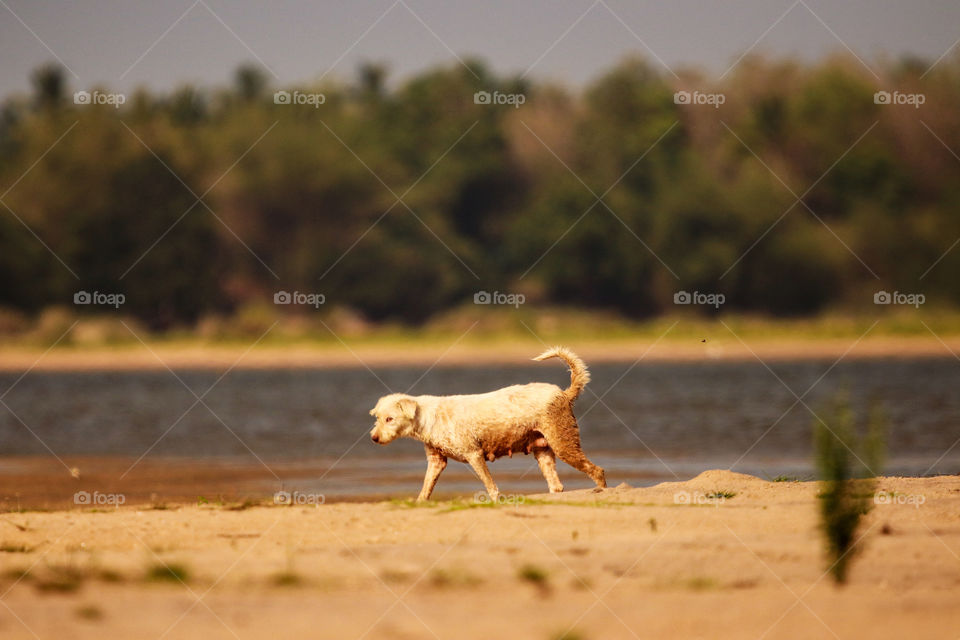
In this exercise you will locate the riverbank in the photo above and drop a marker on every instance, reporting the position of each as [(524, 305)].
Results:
[(723, 555), (719, 347)]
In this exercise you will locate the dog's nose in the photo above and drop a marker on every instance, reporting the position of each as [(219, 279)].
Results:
[(375, 437)]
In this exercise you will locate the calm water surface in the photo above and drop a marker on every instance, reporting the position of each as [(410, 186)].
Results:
[(652, 422)]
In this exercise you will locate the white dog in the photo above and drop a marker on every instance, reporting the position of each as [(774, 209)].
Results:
[(529, 418)]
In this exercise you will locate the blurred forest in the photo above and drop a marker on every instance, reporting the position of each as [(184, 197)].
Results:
[(206, 201)]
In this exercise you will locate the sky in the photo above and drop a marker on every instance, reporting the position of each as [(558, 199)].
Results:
[(123, 44)]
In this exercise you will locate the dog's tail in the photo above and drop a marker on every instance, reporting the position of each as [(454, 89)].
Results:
[(579, 375)]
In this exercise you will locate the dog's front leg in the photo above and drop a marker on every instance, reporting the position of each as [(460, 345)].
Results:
[(436, 463), (480, 468)]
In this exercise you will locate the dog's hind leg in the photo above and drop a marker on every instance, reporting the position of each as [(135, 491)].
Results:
[(563, 436), (479, 466), (573, 456), (548, 467), (436, 463)]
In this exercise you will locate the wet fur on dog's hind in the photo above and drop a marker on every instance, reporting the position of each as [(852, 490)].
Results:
[(532, 418)]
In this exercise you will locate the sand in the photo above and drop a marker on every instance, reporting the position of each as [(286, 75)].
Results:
[(721, 347), (667, 561)]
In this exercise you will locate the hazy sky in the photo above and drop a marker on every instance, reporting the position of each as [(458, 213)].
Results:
[(162, 44)]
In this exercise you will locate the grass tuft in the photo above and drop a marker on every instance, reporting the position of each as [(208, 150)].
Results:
[(847, 465), (533, 574), (721, 495), (785, 478), (161, 572)]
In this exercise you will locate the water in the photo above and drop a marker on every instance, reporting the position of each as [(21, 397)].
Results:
[(656, 421)]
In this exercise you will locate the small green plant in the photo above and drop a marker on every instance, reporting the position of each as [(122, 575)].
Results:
[(162, 572), (536, 576), (721, 495), (652, 522), (847, 466), (459, 504), (784, 478), (14, 548)]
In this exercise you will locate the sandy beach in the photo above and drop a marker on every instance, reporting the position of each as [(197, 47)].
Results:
[(723, 555), (724, 346)]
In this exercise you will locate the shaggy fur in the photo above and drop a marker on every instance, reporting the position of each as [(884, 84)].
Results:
[(532, 418)]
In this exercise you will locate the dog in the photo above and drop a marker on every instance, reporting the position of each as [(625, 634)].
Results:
[(532, 418)]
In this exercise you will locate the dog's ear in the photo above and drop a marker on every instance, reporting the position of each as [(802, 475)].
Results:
[(373, 411), (408, 406)]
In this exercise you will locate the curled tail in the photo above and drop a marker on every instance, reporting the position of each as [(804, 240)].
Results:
[(579, 375)]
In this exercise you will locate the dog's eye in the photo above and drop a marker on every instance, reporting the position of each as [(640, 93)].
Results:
[(388, 419)]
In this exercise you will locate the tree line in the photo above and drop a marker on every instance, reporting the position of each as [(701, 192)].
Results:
[(787, 187)]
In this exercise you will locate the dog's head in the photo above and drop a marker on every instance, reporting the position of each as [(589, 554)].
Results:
[(396, 416)]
